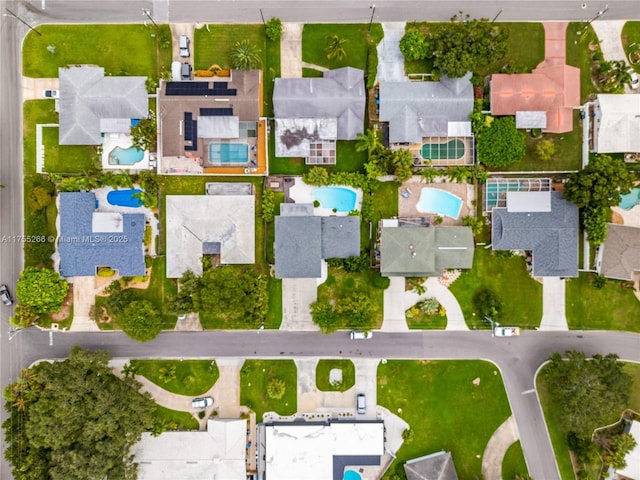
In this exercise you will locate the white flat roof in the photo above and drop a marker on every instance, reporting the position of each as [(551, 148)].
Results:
[(632, 470), (528, 201), (301, 451), (107, 222), (531, 119)]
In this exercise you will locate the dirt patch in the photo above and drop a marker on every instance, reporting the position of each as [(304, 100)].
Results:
[(65, 310), (102, 282), (617, 218)]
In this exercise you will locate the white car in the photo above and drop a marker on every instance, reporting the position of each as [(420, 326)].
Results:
[(50, 94), (633, 82), (201, 402), (360, 335), (506, 331)]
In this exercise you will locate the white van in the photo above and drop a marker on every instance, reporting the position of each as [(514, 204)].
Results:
[(175, 71), (184, 46), (360, 335)]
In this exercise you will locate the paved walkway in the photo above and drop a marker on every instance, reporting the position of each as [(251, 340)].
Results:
[(390, 59), (84, 297), (553, 304), (393, 318), (291, 50), (499, 443), (297, 295), (455, 317)]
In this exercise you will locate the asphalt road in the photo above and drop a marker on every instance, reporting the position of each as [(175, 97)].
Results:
[(518, 359)]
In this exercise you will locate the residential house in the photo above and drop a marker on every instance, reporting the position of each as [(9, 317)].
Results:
[(616, 123), (313, 113), (425, 113), (213, 125), (218, 452), (302, 240), (544, 98), (90, 238), (317, 450), (437, 466), (411, 251), (543, 223), (222, 225), (632, 470), (92, 105), (619, 255)]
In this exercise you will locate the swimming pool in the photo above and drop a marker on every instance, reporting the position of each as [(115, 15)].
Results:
[(124, 198), (125, 156), (441, 202), (228, 153), (340, 198), (453, 149), (630, 200), (351, 475)]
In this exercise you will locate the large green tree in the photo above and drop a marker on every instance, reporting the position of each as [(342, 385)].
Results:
[(140, 320), (74, 420), (144, 134), (599, 184), (501, 144), (41, 289), (588, 392), (465, 45), (619, 446), (414, 45)]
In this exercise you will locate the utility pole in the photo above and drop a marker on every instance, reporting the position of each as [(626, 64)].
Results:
[(373, 12), (10, 13), (148, 14)]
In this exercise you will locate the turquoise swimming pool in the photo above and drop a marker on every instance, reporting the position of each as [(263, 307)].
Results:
[(433, 200), (124, 198), (630, 200), (351, 475), (341, 198), (228, 153), (125, 156)]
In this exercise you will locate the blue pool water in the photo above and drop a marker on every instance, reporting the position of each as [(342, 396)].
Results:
[(124, 198), (228, 153), (340, 198), (125, 156), (630, 200), (440, 202), (351, 475)]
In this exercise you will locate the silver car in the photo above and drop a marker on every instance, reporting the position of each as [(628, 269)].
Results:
[(5, 296), (201, 402)]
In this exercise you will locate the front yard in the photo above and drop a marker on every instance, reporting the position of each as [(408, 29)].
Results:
[(255, 377), (184, 377)]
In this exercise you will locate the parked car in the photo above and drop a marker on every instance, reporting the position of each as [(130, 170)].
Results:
[(506, 331), (5, 296), (360, 335), (184, 46), (185, 72), (361, 403), (633, 82), (50, 94), (201, 402)]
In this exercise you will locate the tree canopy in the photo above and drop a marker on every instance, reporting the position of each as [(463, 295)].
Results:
[(141, 320), (501, 144), (599, 184), (414, 45), (74, 419), (41, 289)]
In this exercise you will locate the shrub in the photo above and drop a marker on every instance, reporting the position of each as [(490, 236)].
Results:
[(316, 176), (276, 389), (106, 272), (39, 198), (545, 149), (268, 205), (273, 29), (414, 45), (430, 306), (316, 203), (356, 264), (245, 55), (501, 144), (487, 304), (380, 282)]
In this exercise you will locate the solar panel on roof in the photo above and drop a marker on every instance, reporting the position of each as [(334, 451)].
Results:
[(216, 112), (220, 84)]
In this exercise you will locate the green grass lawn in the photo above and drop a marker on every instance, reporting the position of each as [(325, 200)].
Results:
[(612, 307), (271, 72), (520, 294), (631, 40), (525, 49), (579, 55), (558, 435), (192, 377), (567, 156), (66, 159), (444, 409), (357, 47), (213, 44), (422, 321), (513, 462), (385, 201), (323, 369), (175, 420), (311, 72), (254, 378), (341, 284), (120, 48)]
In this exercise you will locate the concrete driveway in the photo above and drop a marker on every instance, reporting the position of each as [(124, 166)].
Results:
[(366, 383), (297, 295), (553, 304)]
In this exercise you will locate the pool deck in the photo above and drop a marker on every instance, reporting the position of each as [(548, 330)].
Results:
[(629, 217), (407, 207), (300, 192)]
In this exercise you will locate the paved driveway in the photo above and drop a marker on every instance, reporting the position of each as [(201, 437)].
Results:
[(297, 295)]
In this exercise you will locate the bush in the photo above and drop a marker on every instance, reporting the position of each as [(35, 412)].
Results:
[(487, 304), (356, 264), (430, 306), (380, 282), (414, 46), (268, 205), (276, 389), (545, 150), (316, 176), (106, 272), (501, 144), (38, 198), (273, 29), (316, 203)]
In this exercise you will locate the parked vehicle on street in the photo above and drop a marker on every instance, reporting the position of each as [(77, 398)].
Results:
[(201, 402), (506, 331), (633, 81), (360, 335), (5, 296)]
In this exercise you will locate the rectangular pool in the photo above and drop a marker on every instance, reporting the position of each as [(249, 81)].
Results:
[(224, 153)]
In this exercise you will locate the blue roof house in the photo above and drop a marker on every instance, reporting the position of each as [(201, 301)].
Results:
[(89, 239)]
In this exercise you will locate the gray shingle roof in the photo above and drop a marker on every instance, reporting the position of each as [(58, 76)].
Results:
[(339, 94), (437, 466), (302, 241), (424, 251), (87, 96), (621, 252), (422, 109), (552, 237), (82, 249)]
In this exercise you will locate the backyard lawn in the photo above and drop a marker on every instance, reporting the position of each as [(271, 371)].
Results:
[(121, 49), (613, 307), (347, 159), (385, 201), (66, 159), (254, 379), (175, 420), (580, 38), (520, 294), (445, 409), (184, 377), (323, 370)]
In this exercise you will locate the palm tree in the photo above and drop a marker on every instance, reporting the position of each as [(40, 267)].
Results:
[(613, 75), (335, 47), (245, 56), (368, 142), (458, 174)]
